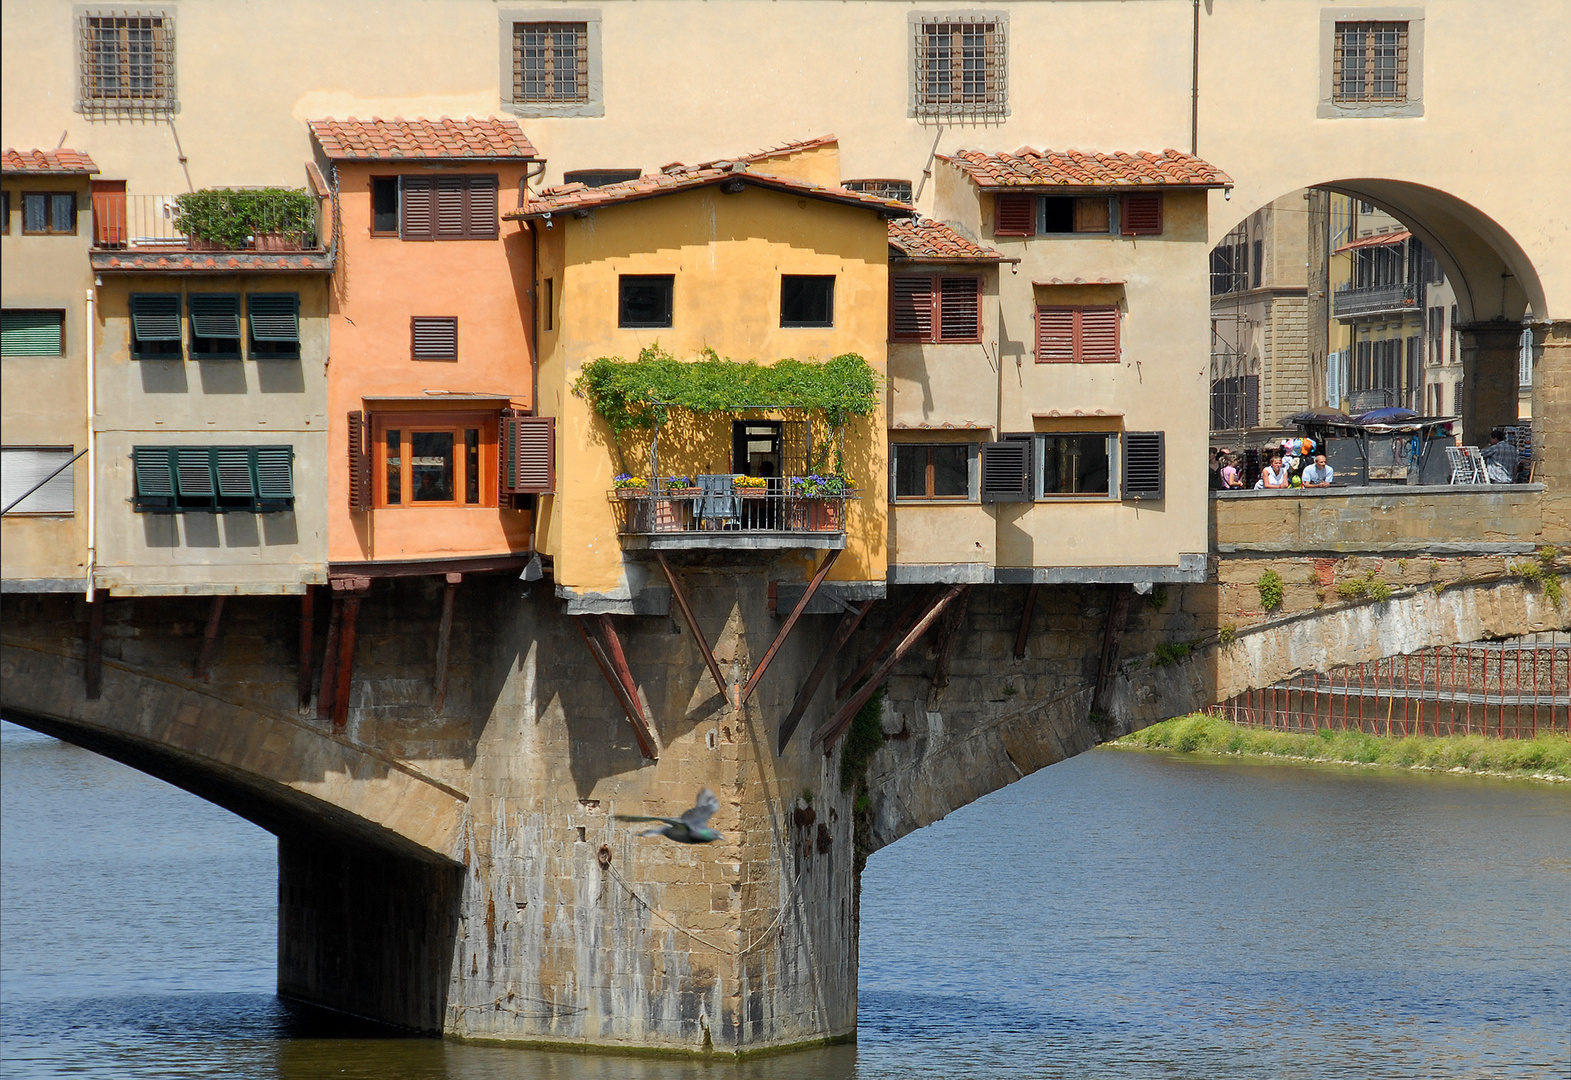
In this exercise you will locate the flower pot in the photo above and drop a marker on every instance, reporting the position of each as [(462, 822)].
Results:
[(817, 515)]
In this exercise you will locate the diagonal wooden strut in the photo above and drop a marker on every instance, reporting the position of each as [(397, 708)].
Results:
[(837, 724), (1117, 616), (1025, 622), (692, 624), (444, 634), (912, 610), (848, 624), (204, 656), (626, 693), (785, 631)]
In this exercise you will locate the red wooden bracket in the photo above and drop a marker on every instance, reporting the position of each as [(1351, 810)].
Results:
[(1025, 622), (848, 624), (204, 656), (626, 693), (307, 645), (692, 623), (785, 631), (346, 660), (909, 615), (444, 633)]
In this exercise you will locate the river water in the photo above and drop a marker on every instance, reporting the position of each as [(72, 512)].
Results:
[(1122, 915)]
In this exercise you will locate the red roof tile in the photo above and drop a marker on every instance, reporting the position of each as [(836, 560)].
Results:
[(412, 140), (933, 241), (48, 163), (1028, 168), (1377, 240)]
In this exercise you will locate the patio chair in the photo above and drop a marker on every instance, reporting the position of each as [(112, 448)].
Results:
[(717, 501), (1461, 468), (1475, 458)]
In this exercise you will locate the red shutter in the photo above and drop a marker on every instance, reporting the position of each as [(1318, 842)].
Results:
[(1141, 215), (450, 207), (1099, 335), (911, 308), (483, 220), (1055, 335), (359, 463), (528, 451), (414, 221), (959, 309), (1014, 215)]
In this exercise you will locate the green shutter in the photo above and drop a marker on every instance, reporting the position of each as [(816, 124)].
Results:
[(215, 315), (194, 472), (155, 316), (31, 333), (275, 472), (155, 482), (234, 473), (275, 316)]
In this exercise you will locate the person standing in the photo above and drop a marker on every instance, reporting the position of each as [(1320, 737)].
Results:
[(1318, 473), (1230, 478)]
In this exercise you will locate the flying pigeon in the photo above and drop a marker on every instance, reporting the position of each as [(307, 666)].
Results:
[(691, 828)]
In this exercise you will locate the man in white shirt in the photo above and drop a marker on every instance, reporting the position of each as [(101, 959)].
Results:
[(1319, 474)]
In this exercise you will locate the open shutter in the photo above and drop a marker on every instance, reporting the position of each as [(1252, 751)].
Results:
[(215, 316), (911, 308), (1099, 335), (959, 312), (235, 480), (155, 316), (415, 215), (31, 333), (1141, 215), (1006, 471), (529, 455), (1014, 215), (434, 338), (194, 472), (1144, 466), (155, 478), (275, 480), (359, 463), (449, 206), (1055, 335), (275, 316), (483, 220)]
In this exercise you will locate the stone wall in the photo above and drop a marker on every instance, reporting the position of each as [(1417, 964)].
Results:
[(1460, 519)]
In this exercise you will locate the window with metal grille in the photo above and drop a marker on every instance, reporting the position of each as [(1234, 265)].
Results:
[(899, 190), (275, 325), (126, 63), (448, 208), (215, 326), (1014, 215), (1141, 215), (933, 471), (48, 213), (32, 333), (1144, 467), (935, 308), (1077, 335), (960, 67), (433, 337), (42, 474), (155, 326), (550, 62), (1369, 63), (213, 479)]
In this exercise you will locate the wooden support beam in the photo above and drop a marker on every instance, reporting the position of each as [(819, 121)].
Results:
[(1025, 622), (785, 631), (346, 661), (94, 668), (327, 693), (948, 629), (204, 656), (444, 632), (837, 724), (912, 610), (692, 623), (630, 705), (1117, 616), (643, 726), (307, 645), (848, 624)]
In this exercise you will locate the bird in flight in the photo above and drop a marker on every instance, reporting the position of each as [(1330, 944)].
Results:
[(691, 828)]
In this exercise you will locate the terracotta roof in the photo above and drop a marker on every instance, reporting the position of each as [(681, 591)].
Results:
[(1378, 240), (412, 140), (1028, 168), (48, 163), (933, 241), (785, 149)]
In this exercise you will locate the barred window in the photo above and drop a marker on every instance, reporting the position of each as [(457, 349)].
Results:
[(550, 62), (127, 63), (899, 190), (961, 67), (1370, 62)]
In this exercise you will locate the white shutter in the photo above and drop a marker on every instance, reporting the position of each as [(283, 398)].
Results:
[(22, 468)]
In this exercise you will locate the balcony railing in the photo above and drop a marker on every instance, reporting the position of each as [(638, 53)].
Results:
[(743, 517), (1350, 302), (148, 223)]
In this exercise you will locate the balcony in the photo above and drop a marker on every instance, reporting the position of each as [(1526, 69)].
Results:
[(720, 516), (1350, 302), (237, 229)]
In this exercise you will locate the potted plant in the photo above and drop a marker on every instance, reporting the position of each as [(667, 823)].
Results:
[(819, 503), (629, 487)]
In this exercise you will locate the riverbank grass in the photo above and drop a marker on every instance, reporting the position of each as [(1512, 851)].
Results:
[(1544, 757)]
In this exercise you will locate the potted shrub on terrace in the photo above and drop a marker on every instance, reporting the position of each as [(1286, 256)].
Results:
[(819, 502)]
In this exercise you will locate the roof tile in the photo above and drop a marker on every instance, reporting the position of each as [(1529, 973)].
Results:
[(412, 140), (1027, 167), (48, 163), (932, 241)]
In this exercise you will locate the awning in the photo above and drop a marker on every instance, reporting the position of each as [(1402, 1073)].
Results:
[(1378, 240)]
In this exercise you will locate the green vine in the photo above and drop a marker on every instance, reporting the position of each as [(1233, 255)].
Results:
[(1270, 586), (232, 217)]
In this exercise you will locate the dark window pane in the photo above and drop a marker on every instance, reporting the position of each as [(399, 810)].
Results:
[(1074, 465), (35, 213), (395, 468), (910, 471), (951, 477), (431, 466), (1060, 214), (471, 465), (807, 300), (384, 204), (645, 300), (62, 212)]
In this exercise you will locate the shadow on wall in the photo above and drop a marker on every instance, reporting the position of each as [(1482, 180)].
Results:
[(233, 530)]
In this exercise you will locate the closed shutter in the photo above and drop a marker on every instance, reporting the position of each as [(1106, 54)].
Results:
[(1141, 215), (959, 309), (23, 469), (528, 447), (275, 480), (234, 473), (153, 467), (194, 472), (1014, 215), (359, 463), (1006, 470), (32, 333), (911, 308), (1055, 335), (214, 316), (483, 220), (450, 216), (275, 316), (1098, 335), (1144, 467), (415, 211), (155, 316), (434, 338)]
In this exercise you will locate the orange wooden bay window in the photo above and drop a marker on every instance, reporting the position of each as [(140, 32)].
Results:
[(1077, 335), (433, 459)]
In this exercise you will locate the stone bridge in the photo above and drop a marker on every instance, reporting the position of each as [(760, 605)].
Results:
[(448, 858)]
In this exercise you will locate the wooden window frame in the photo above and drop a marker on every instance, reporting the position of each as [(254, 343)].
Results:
[(883, 187), (1368, 60), (398, 207), (95, 95), (936, 292), (970, 496), (1039, 465), (455, 423), (58, 313), (415, 322), (1077, 347), (49, 213), (551, 56)]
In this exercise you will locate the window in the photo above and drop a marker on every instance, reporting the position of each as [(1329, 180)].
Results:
[(1144, 468), (215, 326), (1456, 398), (425, 460), (433, 337), (1235, 400), (1074, 465), (384, 206), (213, 479), (1370, 62), (550, 62), (1229, 264), (1437, 336), (1067, 214), (5, 212), (1141, 215), (32, 333), (600, 177), (155, 326), (644, 300), (49, 213), (1257, 263), (807, 300), (941, 471), (127, 64), (931, 307), (899, 190), (1077, 335), (1014, 215), (960, 66), (275, 325), (24, 468), (448, 208)]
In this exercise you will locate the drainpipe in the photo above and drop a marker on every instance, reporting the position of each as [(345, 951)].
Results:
[(1194, 88), (92, 465)]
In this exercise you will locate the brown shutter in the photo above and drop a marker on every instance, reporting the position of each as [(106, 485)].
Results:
[(1099, 335), (450, 215), (1006, 470), (1141, 215), (1055, 335), (1144, 466), (359, 463), (528, 451), (1014, 215), (959, 309), (911, 308), (415, 217), (433, 338), (483, 220)]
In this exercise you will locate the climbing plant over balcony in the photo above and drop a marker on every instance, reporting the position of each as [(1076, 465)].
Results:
[(234, 219)]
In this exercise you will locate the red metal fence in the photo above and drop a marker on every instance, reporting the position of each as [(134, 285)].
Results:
[(1508, 689)]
